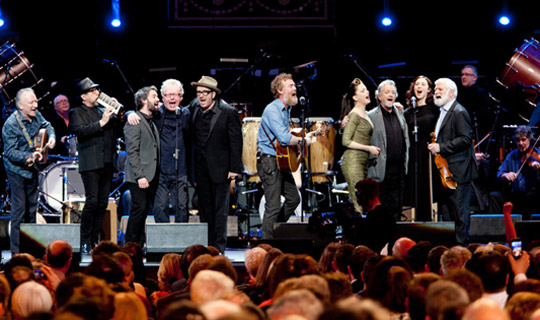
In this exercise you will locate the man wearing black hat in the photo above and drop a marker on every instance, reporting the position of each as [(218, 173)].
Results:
[(94, 127), (217, 139)]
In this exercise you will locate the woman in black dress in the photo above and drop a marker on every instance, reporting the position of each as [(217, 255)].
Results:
[(421, 114)]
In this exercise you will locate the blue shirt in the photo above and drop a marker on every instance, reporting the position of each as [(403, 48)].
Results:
[(275, 120), (16, 147), (527, 178)]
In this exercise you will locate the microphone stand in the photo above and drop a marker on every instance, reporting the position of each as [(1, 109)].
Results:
[(264, 56), (117, 66), (415, 133)]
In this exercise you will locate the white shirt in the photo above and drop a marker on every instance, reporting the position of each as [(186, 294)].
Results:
[(444, 111)]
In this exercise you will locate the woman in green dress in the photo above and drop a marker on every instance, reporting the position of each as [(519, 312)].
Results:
[(356, 137)]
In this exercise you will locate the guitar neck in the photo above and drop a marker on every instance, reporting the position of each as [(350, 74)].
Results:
[(107, 101)]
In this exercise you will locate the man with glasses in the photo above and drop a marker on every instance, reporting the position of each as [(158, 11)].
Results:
[(172, 122), (217, 141), (95, 129)]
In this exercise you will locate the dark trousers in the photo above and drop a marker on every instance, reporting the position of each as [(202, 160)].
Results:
[(275, 183), (524, 203), (454, 206), (141, 204), (171, 190), (392, 190), (213, 206), (24, 199), (97, 185)]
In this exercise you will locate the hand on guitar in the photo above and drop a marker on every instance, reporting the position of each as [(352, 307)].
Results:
[(311, 138)]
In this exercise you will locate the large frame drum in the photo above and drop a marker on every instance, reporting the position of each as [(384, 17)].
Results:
[(321, 152), (250, 130)]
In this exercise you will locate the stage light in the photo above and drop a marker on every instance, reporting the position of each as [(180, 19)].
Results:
[(1, 22), (386, 21), (504, 20), (116, 22)]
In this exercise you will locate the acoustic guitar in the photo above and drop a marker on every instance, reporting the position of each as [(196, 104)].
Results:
[(289, 158), (41, 143)]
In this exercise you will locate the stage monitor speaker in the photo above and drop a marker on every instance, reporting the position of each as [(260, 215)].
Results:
[(528, 231), (438, 233), (162, 238), (35, 238), (486, 228)]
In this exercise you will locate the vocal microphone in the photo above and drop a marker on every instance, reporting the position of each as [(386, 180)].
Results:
[(177, 111), (413, 101), (302, 100), (112, 63)]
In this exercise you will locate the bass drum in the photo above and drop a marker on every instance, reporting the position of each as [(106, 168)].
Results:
[(521, 78), (61, 183), (16, 72)]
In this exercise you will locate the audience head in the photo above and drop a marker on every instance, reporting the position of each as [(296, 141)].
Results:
[(182, 310), (417, 256), (327, 256), (416, 294), (105, 247), (127, 305), (454, 258), (300, 302), (469, 281), (522, 304), (58, 254), (444, 294), (485, 309), (339, 285), (169, 271), (261, 279), (30, 297), (342, 258), (253, 259), (434, 259), (358, 259), (402, 246), (492, 267), (104, 266), (190, 254), (209, 285), (290, 266)]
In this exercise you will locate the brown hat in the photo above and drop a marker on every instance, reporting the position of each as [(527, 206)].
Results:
[(207, 82), (86, 85)]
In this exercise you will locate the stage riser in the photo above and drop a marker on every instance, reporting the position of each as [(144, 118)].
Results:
[(489, 227)]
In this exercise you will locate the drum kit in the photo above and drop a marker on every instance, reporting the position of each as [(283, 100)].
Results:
[(318, 162)]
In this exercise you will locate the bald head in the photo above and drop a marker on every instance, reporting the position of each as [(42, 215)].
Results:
[(401, 246), (58, 254)]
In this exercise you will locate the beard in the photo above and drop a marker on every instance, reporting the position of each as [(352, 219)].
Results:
[(290, 100), (440, 102)]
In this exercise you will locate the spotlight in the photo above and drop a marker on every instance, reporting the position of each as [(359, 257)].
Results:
[(386, 21), (504, 20), (1, 22), (116, 23)]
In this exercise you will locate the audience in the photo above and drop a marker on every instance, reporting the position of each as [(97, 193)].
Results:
[(417, 282)]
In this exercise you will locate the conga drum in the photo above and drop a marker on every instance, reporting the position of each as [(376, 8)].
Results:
[(250, 130), (321, 152)]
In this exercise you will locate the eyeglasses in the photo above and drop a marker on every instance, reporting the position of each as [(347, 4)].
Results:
[(172, 95), (204, 93), (468, 74)]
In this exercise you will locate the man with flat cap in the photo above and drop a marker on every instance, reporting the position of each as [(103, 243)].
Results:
[(217, 143), (95, 128)]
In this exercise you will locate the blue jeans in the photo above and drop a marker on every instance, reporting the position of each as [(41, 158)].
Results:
[(24, 199), (167, 192)]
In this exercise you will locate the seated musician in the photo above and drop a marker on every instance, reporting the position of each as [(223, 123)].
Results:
[(275, 129), (519, 177)]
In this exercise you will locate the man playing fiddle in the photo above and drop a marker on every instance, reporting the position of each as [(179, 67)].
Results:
[(519, 176)]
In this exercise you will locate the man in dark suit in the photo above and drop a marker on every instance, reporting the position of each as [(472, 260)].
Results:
[(95, 128), (142, 148), (217, 142), (454, 143)]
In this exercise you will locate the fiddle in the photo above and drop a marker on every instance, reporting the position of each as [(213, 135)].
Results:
[(447, 179)]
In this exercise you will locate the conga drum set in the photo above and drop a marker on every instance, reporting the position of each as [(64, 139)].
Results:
[(318, 162)]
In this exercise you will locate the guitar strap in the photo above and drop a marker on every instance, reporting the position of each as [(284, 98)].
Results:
[(25, 132), (271, 141)]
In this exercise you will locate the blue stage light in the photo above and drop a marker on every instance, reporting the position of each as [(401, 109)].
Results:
[(504, 20), (386, 21), (116, 23), (1, 22)]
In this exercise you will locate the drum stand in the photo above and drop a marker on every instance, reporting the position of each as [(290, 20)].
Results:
[(250, 205), (65, 207)]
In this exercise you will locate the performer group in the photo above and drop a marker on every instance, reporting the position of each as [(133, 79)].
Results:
[(417, 154)]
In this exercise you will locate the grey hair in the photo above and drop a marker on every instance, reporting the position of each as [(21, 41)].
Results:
[(142, 94), (172, 82), (386, 82), (18, 97), (449, 84)]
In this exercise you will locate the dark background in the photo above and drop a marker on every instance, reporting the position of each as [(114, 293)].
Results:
[(68, 39)]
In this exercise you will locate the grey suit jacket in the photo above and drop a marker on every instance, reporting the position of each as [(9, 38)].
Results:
[(142, 148), (377, 165), (455, 141)]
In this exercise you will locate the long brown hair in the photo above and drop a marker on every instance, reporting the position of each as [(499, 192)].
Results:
[(347, 102)]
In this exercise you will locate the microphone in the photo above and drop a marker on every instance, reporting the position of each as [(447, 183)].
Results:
[(177, 111), (302, 100), (413, 101), (112, 63)]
